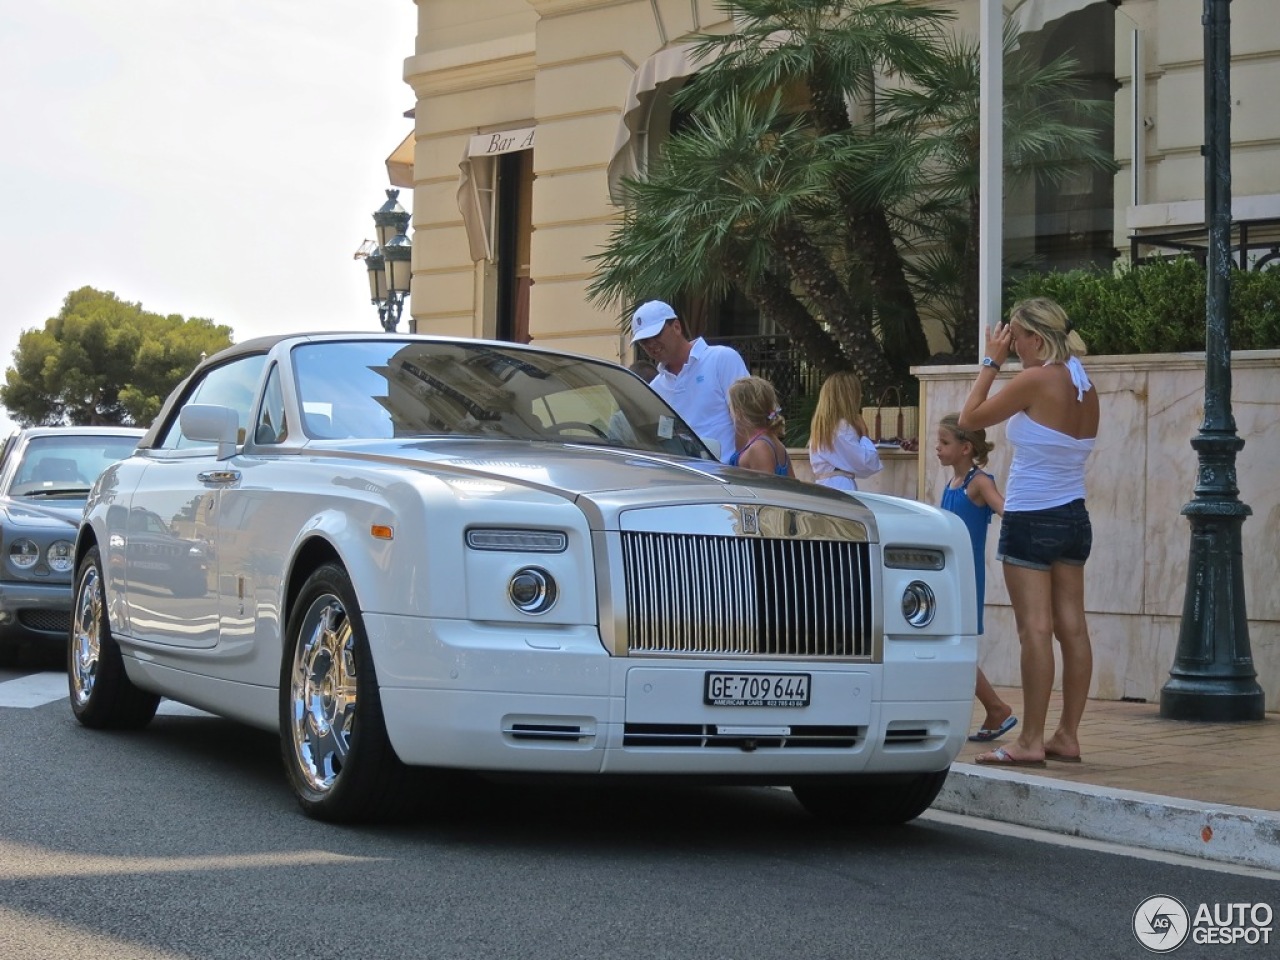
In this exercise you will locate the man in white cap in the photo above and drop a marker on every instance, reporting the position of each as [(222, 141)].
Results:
[(693, 376)]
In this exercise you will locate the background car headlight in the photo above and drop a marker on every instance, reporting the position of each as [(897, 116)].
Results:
[(532, 590), (918, 604), (60, 556), (23, 554)]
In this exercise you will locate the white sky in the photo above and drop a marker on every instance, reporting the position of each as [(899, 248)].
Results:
[(219, 159)]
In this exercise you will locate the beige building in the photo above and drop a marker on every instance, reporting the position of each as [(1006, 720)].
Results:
[(528, 112)]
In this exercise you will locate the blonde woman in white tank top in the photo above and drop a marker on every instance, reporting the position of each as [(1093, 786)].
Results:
[(1045, 535)]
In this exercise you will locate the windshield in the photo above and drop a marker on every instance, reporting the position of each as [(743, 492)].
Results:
[(67, 464), (392, 388)]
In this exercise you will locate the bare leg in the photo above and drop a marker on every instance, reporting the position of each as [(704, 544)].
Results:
[(997, 710), (1029, 592), (1072, 630)]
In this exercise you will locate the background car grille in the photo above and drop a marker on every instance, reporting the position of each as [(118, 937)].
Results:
[(739, 596), (45, 621)]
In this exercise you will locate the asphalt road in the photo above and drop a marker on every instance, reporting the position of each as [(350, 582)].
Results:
[(182, 841)]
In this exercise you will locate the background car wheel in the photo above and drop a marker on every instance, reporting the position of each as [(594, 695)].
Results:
[(870, 800), (102, 695), (334, 742)]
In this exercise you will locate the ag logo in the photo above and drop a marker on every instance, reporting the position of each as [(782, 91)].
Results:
[(1161, 924)]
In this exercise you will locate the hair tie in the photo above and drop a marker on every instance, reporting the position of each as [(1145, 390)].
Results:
[(774, 414)]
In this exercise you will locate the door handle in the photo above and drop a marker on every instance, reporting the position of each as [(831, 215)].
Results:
[(219, 476)]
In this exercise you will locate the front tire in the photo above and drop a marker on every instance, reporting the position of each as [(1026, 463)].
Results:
[(334, 741), (102, 695), (870, 800)]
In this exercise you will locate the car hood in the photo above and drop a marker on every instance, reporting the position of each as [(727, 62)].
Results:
[(25, 513), (573, 470)]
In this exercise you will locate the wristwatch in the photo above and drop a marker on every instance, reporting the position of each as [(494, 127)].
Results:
[(988, 362)]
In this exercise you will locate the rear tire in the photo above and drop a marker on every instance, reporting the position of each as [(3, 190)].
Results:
[(334, 742), (870, 800), (102, 695)]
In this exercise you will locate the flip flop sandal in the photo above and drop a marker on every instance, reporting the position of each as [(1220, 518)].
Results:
[(986, 734), (1000, 757)]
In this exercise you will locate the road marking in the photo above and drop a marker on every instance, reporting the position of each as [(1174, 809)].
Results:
[(27, 862), (37, 689), (33, 690), (171, 708)]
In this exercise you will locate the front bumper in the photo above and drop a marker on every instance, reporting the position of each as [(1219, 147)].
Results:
[(40, 609), (464, 695)]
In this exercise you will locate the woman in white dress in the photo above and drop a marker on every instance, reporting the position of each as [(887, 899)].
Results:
[(840, 452)]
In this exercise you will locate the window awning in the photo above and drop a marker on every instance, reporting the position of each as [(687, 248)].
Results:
[(400, 164), (479, 178), (632, 140)]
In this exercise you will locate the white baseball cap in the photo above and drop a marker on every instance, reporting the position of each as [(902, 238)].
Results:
[(649, 320)]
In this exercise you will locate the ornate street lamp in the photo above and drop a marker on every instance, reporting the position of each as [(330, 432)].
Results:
[(389, 261), (1213, 677)]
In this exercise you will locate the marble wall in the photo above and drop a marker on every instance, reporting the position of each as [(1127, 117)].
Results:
[(1142, 473), (899, 478)]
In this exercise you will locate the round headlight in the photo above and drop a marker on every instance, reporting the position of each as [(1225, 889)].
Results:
[(532, 590), (59, 556), (918, 604), (23, 554)]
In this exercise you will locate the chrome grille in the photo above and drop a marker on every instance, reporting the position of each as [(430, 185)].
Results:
[(747, 596)]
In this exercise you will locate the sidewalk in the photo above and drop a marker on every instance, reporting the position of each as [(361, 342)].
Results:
[(1209, 790)]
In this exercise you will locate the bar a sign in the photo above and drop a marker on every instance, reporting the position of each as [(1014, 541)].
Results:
[(502, 141)]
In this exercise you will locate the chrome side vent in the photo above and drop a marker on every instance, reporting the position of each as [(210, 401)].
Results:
[(747, 596), (901, 734), (553, 730)]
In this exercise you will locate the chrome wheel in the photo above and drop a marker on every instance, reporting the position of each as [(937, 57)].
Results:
[(86, 636), (322, 693), (102, 695)]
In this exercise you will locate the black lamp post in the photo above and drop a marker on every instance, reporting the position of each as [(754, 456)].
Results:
[(1213, 677), (390, 262)]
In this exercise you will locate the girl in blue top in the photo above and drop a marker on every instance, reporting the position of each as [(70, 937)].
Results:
[(971, 494), (758, 428)]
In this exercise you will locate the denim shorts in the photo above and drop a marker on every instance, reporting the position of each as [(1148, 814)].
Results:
[(1040, 538)]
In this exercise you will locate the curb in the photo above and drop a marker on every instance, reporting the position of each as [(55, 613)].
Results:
[(1225, 834)]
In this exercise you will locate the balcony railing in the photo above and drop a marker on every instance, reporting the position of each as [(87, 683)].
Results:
[(1255, 244)]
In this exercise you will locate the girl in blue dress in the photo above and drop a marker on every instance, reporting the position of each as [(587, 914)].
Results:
[(758, 427), (972, 495)]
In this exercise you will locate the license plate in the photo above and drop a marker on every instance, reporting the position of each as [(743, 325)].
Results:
[(756, 689)]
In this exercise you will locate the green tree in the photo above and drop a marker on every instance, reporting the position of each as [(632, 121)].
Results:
[(103, 360)]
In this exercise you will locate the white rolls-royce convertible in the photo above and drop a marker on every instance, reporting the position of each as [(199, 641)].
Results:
[(423, 560)]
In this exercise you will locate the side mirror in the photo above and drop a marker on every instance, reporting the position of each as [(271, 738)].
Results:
[(208, 423), (713, 445)]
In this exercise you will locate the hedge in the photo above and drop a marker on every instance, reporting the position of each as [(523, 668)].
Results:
[(1158, 306)]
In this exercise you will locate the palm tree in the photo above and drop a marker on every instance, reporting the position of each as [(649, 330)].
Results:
[(838, 229), (729, 204), (834, 50)]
